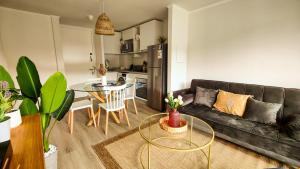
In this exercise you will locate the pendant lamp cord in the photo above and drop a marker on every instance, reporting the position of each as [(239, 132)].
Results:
[(102, 6)]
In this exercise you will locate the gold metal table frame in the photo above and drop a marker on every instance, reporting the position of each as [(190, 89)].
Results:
[(153, 141)]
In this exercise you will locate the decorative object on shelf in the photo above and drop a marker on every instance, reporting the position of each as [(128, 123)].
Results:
[(173, 105), (164, 124), (50, 99), (103, 25), (162, 39), (102, 72)]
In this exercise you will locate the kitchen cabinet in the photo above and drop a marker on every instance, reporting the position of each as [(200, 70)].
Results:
[(131, 34), (112, 43), (150, 33), (112, 76)]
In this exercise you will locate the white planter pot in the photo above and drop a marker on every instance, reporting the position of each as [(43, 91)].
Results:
[(15, 118), (104, 80), (51, 158), (5, 130)]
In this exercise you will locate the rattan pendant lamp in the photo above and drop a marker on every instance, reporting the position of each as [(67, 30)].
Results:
[(103, 25)]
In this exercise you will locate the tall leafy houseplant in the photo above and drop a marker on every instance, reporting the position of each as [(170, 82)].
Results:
[(50, 99)]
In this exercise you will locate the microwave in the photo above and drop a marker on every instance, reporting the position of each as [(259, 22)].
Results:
[(127, 46)]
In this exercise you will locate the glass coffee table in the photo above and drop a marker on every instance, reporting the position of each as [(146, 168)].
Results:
[(198, 138)]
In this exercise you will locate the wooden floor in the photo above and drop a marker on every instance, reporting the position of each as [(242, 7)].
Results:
[(75, 151)]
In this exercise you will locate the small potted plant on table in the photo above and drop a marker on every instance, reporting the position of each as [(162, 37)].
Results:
[(5, 105), (173, 105), (9, 117)]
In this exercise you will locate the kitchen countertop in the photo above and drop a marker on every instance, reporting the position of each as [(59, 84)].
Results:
[(127, 71)]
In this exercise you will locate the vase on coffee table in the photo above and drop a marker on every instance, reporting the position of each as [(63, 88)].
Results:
[(174, 118)]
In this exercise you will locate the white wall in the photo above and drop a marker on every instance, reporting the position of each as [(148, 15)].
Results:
[(255, 41), (2, 57), (77, 44), (177, 47), (28, 34)]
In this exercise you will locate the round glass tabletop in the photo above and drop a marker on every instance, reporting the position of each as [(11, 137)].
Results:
[(198, 135), (96, 86)]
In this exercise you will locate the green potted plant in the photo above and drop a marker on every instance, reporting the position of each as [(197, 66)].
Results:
[(172, 105), (9, 117), (50, 100), (5, 105)]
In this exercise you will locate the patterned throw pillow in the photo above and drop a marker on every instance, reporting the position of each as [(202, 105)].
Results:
[(205, 97), (231, 103)]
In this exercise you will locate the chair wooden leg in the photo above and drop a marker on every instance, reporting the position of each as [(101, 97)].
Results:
[(72, 122), (121, 115), (99, 113), (136, 112), (93, 116), (126, 116), (126, 104), (89, 112), (106, 123)]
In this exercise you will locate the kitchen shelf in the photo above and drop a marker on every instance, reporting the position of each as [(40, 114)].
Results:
[(129, 53)]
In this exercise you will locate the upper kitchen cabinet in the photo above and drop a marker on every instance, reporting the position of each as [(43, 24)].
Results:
[(131, 33), (112, 43), (150, 33)]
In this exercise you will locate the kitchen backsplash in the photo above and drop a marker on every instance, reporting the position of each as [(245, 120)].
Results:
[(139, 60), (117, 61)]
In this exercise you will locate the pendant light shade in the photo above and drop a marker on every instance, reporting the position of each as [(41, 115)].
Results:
[(104, 25)]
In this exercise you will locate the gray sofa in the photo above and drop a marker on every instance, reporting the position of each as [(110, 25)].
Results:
[(264, 139)]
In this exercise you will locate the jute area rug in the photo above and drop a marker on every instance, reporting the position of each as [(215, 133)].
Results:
[(123, 151)]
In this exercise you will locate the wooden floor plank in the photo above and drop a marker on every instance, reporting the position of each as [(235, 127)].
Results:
[(74, 150)]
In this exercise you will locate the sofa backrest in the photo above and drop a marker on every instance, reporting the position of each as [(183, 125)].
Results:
[(288, 97)]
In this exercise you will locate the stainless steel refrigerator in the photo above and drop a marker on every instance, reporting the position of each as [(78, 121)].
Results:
[(157, 76)]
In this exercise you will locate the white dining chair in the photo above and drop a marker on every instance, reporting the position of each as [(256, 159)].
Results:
[(115, 97), (82, 101), (130, 94), (80, 105)]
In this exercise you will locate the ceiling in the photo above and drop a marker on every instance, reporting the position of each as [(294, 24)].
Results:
[(123, 13)]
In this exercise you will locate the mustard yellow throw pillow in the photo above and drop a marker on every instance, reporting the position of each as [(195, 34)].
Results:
[(231, 103)]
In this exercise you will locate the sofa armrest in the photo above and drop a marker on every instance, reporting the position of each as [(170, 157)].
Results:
[(181, 92), (186, 94)]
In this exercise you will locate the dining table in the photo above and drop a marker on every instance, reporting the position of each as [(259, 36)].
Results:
[(97, 90)]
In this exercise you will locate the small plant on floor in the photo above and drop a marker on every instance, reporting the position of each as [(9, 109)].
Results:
[(49, 100)]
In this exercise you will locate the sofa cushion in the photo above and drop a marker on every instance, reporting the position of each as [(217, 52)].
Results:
[(255, 90), (262, 112), (292, 101), (231, 103), (206, 97), (187, 99), (291, 126)]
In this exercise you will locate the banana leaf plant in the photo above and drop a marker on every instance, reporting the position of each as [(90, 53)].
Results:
[(51, 100)]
